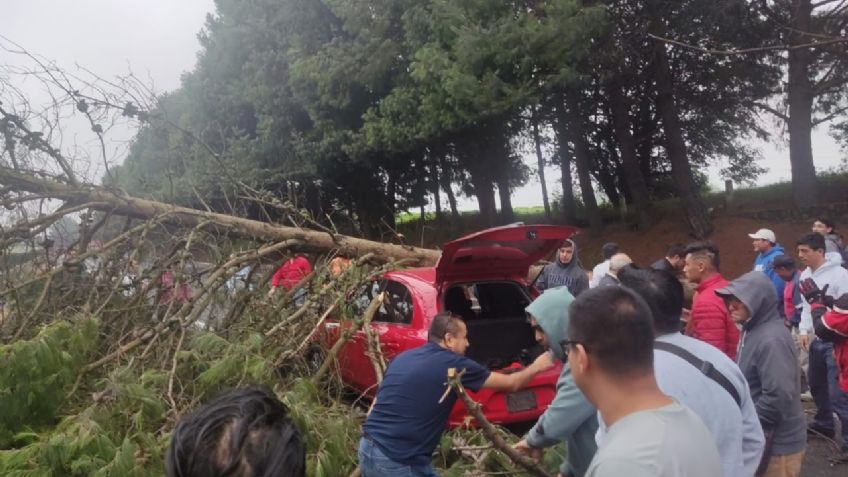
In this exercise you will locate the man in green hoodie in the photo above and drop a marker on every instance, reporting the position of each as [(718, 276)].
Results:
[(570, 417)]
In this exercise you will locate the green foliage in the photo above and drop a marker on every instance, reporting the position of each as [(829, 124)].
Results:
[(36, 374)]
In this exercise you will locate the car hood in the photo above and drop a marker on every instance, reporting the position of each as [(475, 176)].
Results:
[(499, 252)]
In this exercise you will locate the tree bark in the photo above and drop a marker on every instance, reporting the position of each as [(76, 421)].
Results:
[(800, 95), (582, 159), (446, 179), (540, 161), (681, 171), (108, 200), (627, 147), (561, 129)]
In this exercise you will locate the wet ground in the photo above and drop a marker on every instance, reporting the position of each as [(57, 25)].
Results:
[(819, 449)]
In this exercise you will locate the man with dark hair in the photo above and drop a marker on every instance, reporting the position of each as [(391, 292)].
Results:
[(765, 244), (822, 371), (244, 433), (709, 320), (792, 303), (607, 251), (565, 271), (412, 406), (673, 261), (826, 227), (830, 321), (570, 417), (611, 354), (719, 396), (768, 360)]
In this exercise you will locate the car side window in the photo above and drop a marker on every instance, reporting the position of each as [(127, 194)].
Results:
[(397, 302)]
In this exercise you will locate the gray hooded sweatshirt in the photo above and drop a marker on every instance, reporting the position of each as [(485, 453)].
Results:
[(560, 274), (570, 417), (769, 361)]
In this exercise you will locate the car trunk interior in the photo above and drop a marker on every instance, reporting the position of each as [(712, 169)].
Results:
[(494, 314)]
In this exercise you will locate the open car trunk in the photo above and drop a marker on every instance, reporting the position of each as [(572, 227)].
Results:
[(498, 331)]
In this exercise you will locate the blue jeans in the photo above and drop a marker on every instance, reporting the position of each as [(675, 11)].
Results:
[(374, 463), (823, 376)]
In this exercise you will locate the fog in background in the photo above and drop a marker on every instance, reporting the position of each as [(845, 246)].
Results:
[(156, 40)]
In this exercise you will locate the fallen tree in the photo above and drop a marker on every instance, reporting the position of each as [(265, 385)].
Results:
[(118, 203)]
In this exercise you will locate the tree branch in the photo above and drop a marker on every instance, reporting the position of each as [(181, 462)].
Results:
[(745, 51)]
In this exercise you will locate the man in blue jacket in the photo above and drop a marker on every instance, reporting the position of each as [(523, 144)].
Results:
[(570, 417), (767, 248)]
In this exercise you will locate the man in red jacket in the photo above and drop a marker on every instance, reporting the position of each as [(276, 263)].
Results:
[(289, 274), (709, 319), (830, 323)]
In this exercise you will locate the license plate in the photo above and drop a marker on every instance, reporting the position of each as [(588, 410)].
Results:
[(521, 401)]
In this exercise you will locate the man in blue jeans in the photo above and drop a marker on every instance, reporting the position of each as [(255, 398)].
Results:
[(822, 372), (411, 409)]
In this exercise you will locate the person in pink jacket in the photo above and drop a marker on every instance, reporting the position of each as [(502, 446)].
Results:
[(709, 320)]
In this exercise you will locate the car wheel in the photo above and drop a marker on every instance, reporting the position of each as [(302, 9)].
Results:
[(314, 357)]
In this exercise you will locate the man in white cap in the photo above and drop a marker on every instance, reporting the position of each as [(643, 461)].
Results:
[(767, 248)]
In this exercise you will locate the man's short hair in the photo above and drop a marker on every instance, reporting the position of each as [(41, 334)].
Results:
[(567, 243), (676, 250), (243, 433), (614, 325), (663, 293), (444, 323), (813, 240), (827, 221), (609, 249), (706, 251), (783, 261)]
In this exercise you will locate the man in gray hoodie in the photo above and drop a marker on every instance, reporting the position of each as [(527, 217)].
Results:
[(570, 417), (565, 271), (767, 358)]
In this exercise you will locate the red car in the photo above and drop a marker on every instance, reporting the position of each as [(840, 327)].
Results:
[(481, 277)]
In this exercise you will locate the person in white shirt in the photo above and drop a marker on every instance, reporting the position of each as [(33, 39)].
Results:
[(607, 251), (611, 355), (822, 371)]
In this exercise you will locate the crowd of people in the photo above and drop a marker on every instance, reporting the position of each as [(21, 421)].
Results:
[(654, 383)]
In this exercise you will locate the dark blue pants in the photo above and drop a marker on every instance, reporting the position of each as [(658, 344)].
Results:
[(374, 463), (823, 377)]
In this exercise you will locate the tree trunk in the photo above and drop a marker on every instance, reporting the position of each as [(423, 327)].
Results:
[(504, 194), (800, 93), (681, 171), (627, 146), (447, 186), (561, 129), (540, 161), (582, 159), (434, 184), (107, 200)]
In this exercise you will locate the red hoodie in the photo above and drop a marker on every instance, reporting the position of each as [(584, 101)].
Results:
[(710, 321), (836, 321), (291, 272)]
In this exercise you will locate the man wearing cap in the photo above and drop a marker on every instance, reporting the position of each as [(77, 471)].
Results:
[(766, 246), (767, 358)]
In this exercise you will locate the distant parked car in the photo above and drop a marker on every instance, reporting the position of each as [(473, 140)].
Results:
[(481, 277)]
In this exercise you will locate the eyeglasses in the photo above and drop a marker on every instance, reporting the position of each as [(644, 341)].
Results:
[(567, 344)]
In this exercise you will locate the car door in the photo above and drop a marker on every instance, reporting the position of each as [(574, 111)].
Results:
[(391, 324)]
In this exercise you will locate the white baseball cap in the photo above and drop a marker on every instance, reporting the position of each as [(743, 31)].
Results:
[(764, 234)]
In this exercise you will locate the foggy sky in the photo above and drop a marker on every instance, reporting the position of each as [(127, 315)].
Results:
[(157, 40)]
